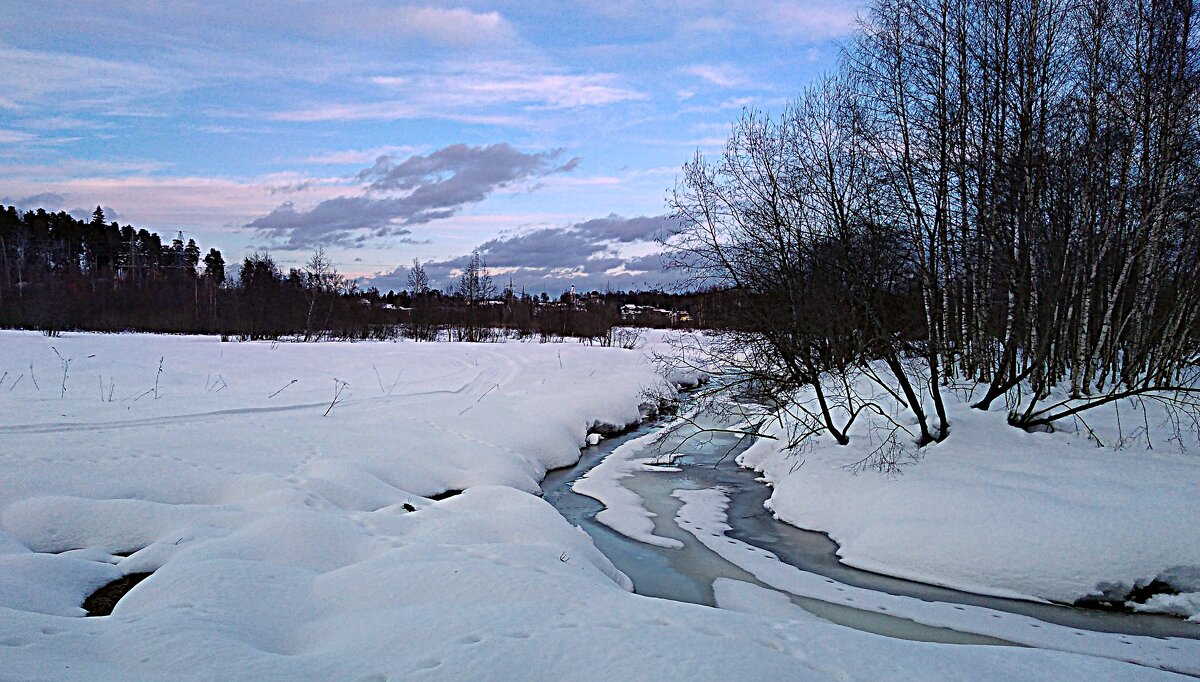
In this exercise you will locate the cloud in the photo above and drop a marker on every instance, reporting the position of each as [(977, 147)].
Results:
[(473, 170), (165, 50), (504, 83), (69, 167), (455, 27), (452, 27), (214, 208), (417, 190), (357, 157), (31, 77), (572, 246), (14, 136), (388, 111), (808, 19), (588, 254), (489, 93), (720, 75), (47, 200), (330, 222)]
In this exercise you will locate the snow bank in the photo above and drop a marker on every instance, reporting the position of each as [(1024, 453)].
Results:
[(995, 510), (623, 510), (289, 545), (703, 515), (738, 595)]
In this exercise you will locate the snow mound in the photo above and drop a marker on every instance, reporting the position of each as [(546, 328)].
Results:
[(996, 510), (289, 545)]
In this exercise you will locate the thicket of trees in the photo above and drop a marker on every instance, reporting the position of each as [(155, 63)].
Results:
[(1000, 192), (59, 273)]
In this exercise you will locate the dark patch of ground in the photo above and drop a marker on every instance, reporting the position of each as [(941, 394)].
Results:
[(102, 601), (1116, 598), (445, 494)]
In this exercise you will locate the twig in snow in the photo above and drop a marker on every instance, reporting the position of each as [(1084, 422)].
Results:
[(280, 390), (111, 387), (14, 384), (494, 387), (156, 376), (66, 366), (339, 388), (386, 391), (33, 378), (1091, 433)]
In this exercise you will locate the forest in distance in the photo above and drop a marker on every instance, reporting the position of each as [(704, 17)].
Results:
[(59, 273)]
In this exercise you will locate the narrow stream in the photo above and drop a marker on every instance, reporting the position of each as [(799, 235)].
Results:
[(687, 574)]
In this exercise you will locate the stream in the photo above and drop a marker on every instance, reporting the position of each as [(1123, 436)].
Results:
[(688, 573)]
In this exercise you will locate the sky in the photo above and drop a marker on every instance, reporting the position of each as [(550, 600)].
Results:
[(545, 135)]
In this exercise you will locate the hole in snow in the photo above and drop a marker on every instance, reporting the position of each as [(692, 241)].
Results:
[(102, 601), (445, 494)]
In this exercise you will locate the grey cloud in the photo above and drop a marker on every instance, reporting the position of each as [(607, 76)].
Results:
[(473, 170), (567, 247), (291, 188), (626, 230), (552, 259), (330, 222), (415, 191), (47, 200)]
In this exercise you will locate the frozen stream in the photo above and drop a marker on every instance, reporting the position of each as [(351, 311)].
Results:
[(803, 565)]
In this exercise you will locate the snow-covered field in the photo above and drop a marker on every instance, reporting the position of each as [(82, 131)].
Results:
[(285, 544), (996, 510)]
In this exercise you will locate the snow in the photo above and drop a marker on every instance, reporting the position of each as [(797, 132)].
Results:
[(738, 595), (1185, 604), (289, 545), (1186, 581), (996, 510), (703, 515), (623, 510)]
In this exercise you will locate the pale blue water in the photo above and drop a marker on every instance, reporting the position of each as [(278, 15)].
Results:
[(687, 574)]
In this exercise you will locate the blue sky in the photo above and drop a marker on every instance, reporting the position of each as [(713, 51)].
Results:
[(544, 134)]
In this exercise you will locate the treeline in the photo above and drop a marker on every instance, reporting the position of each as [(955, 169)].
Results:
[(474, 310), (59, 273), (995, 192)]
